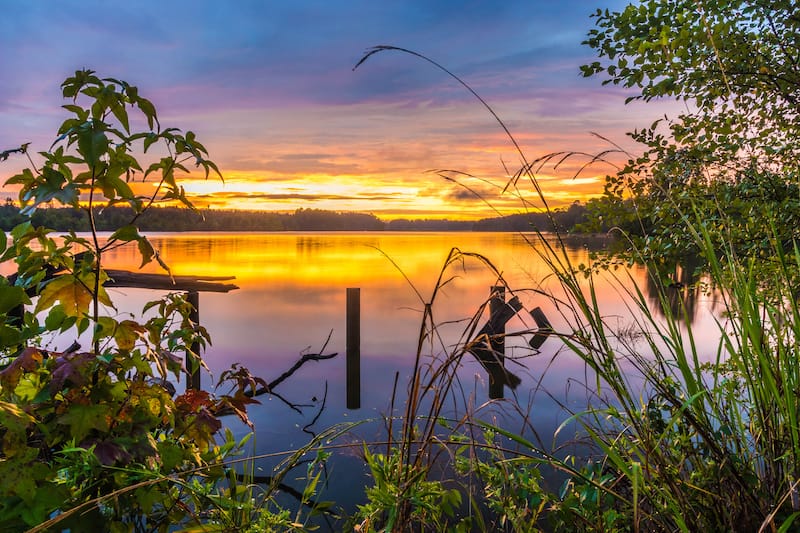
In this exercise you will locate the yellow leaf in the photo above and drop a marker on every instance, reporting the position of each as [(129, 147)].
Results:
[(155, 406), (11, 410), (127, 333), (74, 296), (74, 293)]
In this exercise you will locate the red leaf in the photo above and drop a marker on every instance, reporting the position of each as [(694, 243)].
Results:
[(28, 361), (192, 401), (70, 369)]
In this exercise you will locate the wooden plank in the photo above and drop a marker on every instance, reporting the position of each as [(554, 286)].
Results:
[(192, 363), (141, 280), (353, 348), (545, 329)]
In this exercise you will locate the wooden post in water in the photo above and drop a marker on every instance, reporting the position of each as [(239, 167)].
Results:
[(353, 340), (497, 341), (489, 344), (544, 326), (193, 364)]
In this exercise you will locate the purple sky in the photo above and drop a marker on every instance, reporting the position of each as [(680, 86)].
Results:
[(268, 87)]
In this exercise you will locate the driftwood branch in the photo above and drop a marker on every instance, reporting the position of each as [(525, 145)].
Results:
[(270, 387), (300, 362), (283, 377), (293, 406), (319, 412)]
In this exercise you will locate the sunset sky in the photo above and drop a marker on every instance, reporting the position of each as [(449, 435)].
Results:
[(269, 88)]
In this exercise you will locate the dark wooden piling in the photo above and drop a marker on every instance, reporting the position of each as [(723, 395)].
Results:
[(192, 362), (497, 342), (353, 341), (545, 329), (487, 341)]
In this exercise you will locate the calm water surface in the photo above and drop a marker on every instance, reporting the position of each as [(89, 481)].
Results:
[(292, 297)]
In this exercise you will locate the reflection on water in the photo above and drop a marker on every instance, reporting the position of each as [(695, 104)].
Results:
[(681, 289), (292, 296)]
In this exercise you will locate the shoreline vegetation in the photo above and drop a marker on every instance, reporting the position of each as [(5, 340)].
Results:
[(183, 219)]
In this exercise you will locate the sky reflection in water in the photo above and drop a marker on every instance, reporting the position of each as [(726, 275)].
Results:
[(292, 295)]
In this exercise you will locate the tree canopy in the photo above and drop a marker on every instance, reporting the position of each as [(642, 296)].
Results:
[(732, 154)]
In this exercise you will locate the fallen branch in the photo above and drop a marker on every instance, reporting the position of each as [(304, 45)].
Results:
[(270, 387), (300, 362)]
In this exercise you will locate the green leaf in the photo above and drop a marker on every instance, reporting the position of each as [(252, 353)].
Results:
[(92, 143), (25, 177), (114, 187), (82, 419), (121, 114), (14, 418), (72, 86), (12, 297), (149, 140), (149, 111), (17, 479), (80, 112), (126, 234), (146, 250), (127, 333), (104, 327), (787, 524), (9, 336), (57, 319), (53, 185)]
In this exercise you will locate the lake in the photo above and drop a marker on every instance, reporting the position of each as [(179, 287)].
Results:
[(292, 296)]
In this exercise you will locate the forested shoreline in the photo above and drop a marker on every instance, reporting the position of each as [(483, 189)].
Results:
[(182, 219)]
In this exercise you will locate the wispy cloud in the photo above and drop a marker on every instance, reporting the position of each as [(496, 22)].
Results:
[(269, 88)]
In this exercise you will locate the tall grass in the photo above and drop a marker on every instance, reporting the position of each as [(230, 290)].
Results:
[(406, 493), (682, 443), (704, 445)]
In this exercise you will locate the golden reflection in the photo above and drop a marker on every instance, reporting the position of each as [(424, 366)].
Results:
[(292, 296), (293, 285), (343, 259)]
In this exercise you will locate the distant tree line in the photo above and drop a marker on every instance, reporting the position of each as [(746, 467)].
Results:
[(181, 219)]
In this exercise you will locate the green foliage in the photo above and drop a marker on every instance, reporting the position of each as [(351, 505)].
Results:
[(732, 154), (733, 61), (701, 445), (402, 498), (587, 502), (97, 439), (511, 485)]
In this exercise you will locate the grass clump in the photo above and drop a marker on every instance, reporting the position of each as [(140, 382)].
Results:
[(681, 436)]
